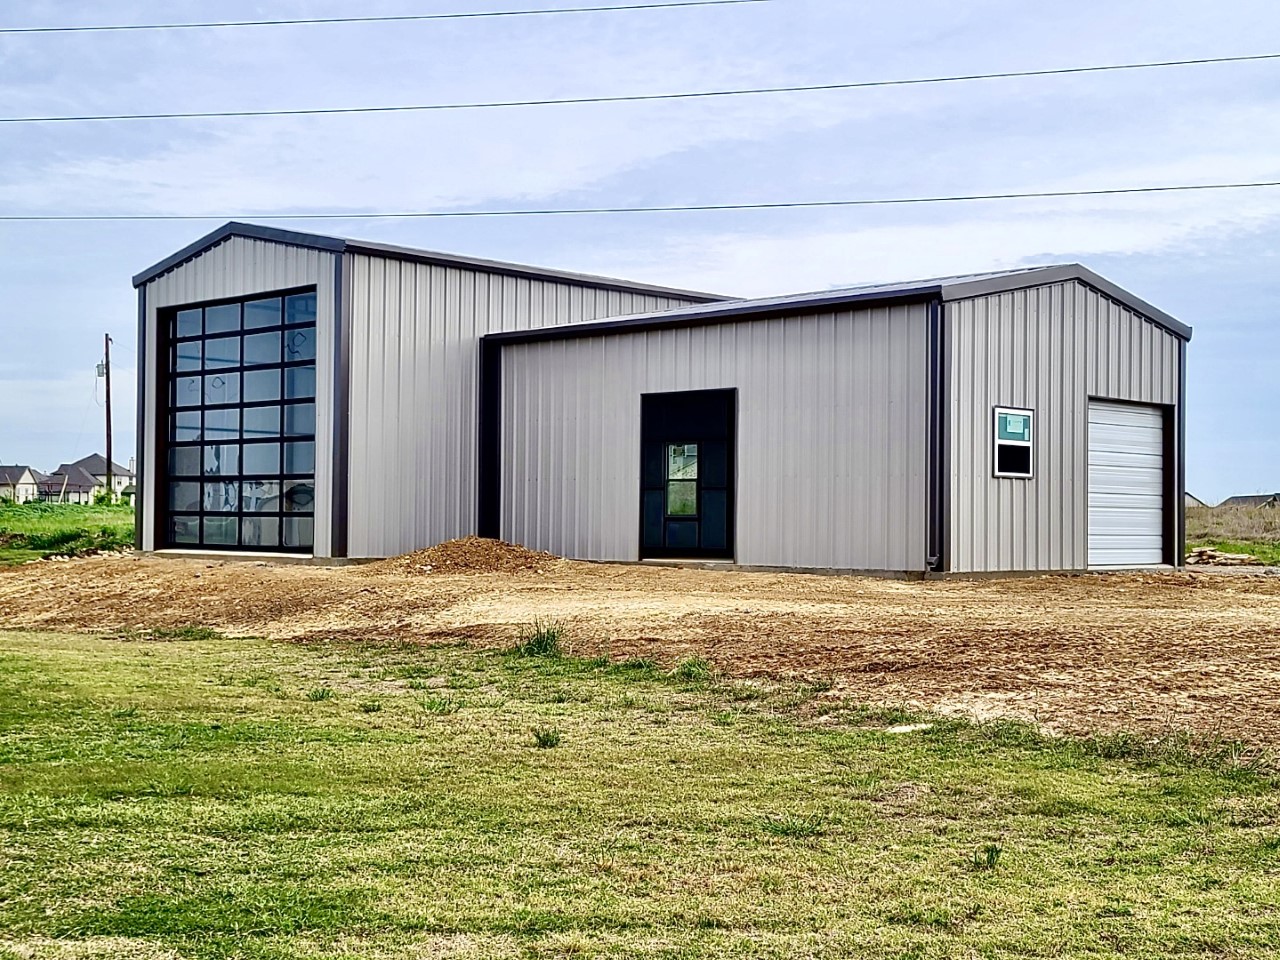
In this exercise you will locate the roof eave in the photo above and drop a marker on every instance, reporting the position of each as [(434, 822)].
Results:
[(721, 313), (410, 254)]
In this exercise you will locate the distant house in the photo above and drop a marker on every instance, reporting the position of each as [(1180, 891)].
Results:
[(1269, 500), (81, 481), (19, 483), (96, 466), (1194, 501), (69, 484)]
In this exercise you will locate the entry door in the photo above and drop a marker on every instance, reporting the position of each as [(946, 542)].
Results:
[(1126, 485), (686, 468)]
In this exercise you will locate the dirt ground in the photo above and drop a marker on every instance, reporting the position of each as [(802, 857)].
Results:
[(1093, 653)]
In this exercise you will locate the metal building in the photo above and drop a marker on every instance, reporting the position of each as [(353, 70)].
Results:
[(370, 400)]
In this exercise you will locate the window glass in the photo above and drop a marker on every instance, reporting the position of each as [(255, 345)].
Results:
[(224, 319), (184, 530), (260, 531), (188, 323), (260, 496), (261, 385), (184, 462), (298, 531), (299, 383), (682, 461), (220, 531), (300, 344), (682, 534), (261, 458), (1013, 460), (300, 420), (261, 422), (682, 498), (222, 425), (300, 308), (184, 496), (262, 348), (299, 496), (222, 388), (221, 460), (186, 425), (299, 458), (222, 497), (186, 392), (188, 355), (223, 352), (262, 313)]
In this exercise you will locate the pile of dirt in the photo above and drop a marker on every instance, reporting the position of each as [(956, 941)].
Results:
[(473, 555)]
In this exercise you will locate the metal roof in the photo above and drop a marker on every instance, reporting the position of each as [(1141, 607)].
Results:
[(317, 241), (939, 288)]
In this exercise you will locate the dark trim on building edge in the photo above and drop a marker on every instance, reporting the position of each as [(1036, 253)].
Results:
[(140, 434), (1181, 510), (489, 464), (339, 482), (773, 307)]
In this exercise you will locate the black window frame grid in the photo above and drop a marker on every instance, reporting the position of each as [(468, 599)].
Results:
[(286, 476)]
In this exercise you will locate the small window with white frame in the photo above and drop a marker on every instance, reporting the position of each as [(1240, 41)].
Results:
[(1014, 435)]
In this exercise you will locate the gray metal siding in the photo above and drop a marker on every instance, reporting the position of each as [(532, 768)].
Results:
[(414, 330), (1048, 348), (831, 436), (241, 267)]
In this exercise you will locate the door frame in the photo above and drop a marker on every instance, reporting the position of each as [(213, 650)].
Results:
[(1170, 485), (730, 552)]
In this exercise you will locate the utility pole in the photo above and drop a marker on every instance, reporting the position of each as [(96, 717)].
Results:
[(106, 372)]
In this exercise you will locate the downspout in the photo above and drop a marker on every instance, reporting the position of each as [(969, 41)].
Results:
[(937, 559)]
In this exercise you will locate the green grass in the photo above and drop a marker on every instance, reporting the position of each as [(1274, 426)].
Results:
[(1267, 552), (29, 531), (195, 799)]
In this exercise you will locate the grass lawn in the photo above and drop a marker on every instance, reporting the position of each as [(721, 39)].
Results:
[(29, 531), (194, 796)]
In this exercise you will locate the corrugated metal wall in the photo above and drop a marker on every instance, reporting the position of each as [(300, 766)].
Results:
[(415, 330), (1049, 349), (831, 436), (241, 267)]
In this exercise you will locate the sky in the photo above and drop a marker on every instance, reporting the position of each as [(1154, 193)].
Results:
[(1211, 259)]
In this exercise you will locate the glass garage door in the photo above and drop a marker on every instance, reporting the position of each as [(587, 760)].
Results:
[(241, 426)]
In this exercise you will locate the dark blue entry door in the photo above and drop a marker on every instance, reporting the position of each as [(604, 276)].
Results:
[(687, 481)]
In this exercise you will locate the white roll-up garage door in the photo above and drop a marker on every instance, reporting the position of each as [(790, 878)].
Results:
[(1126, 485)]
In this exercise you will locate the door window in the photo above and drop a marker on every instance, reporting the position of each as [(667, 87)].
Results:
[(682, 479)]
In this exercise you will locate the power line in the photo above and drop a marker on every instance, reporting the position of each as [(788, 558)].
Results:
[(635, 98), (405, 18), (691, 208)]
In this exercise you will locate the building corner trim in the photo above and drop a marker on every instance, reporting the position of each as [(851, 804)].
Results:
[(141, 434), (489, 465), (339, 485), (1180, 507)]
